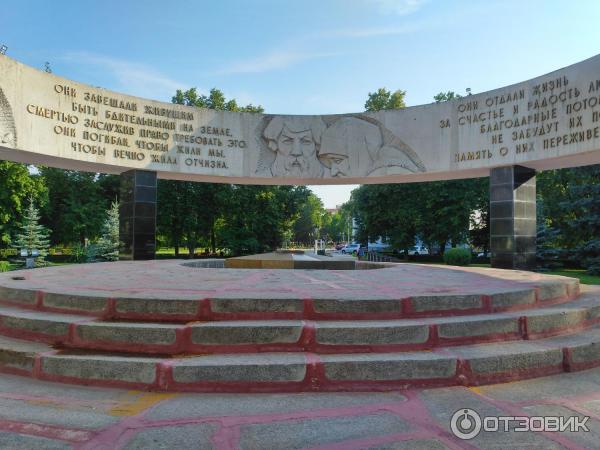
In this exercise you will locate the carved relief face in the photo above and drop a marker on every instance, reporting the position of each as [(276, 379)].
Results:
[(6, 137), (296, 154), (7, 126), (339, 165)]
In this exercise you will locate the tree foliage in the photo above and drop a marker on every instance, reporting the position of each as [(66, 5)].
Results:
[(214, 100), (436, 212), (76, 205), (308, 226), (569, 217), (17, 186), (446, 96), (384, 99), (239, 219), (33, 237), (260, 217), (108, 244), (336, 225)]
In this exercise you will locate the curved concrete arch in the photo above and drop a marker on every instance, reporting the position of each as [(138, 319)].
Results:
[(548, 122)]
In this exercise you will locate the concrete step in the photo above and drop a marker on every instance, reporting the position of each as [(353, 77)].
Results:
[(237, 305), (252, 336), (296, 372)]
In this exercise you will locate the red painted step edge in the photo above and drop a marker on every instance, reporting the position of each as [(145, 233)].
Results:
[(315, 379), (306, 343)]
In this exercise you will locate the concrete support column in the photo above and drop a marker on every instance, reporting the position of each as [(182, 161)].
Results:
[(137, 215), (512, 217)]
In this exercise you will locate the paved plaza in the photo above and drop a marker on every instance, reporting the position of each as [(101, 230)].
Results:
[(38, 414)]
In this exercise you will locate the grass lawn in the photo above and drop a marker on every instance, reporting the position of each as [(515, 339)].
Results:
[(583, 276), (171, 251)]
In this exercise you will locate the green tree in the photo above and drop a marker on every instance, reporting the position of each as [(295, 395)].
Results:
[(33, 236), (585, 209), (170, 215), (260, 217), (384, 99), (335, 225), (108, 244), (445, 210), (214, 100), (436, 212), (195, 213), (76, 204), (567, 217), (17, 185), (445, 96), (378, 212), (308, 226)]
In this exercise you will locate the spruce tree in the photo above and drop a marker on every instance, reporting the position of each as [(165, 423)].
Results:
[(587, 221), (33, 236), (108, 244)]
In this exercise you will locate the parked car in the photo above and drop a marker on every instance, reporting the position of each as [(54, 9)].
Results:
[(339, 246), (351, 249), (418, 250)]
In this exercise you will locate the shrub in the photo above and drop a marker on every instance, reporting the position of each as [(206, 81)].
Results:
[(7, 252), (4, 266), (457, 256)]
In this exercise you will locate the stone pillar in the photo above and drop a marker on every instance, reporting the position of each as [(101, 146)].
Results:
[(512, 217), (137, 215)]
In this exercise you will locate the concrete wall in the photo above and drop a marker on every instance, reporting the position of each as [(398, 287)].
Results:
[(549, 122)]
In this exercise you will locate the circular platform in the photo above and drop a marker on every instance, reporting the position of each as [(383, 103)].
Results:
[(173, 279), (291, 259), (164, 325)]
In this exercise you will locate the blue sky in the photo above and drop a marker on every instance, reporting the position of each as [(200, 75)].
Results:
[(301, 56)]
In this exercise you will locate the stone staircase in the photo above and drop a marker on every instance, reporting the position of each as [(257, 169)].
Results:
[(231, 343)]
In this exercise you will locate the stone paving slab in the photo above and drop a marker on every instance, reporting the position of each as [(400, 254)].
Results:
[(47, 417), (173, 437), (244, 332), (132, 333), (589, 439), (100, 368), (41, 412), (442, 403), (222, 405), (387, 367), (303, 433), (411, 444), (16, 441), (268, 367)]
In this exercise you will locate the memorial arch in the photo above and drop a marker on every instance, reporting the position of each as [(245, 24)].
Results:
[(549, 122)]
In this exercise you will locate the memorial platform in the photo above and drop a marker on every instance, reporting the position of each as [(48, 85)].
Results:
[(290, 259), (163, 325)]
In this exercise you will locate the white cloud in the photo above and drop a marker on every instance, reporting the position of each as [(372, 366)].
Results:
[(133, 78), (399, 7), (274, 60)]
